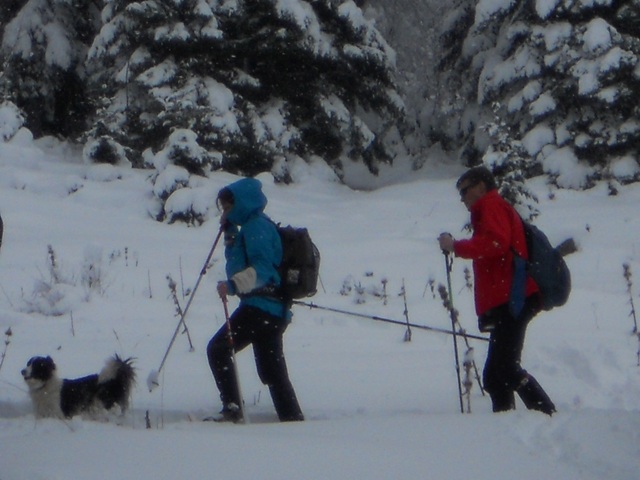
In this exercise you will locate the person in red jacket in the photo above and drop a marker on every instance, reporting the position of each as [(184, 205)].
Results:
[(497, 233)]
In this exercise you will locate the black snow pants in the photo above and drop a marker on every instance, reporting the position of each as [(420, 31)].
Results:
[(503, 375), (250, 325)]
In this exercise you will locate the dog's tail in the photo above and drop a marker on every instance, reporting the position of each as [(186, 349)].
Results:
[(115, 382)]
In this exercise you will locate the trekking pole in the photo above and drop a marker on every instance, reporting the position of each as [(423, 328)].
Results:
[(453, 328), (461, 331), (153, 378), (245, 417), (385, 320)]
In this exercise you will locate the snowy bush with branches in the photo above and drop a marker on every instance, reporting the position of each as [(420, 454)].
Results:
[(11, 120), (179, 185), (63, 289)]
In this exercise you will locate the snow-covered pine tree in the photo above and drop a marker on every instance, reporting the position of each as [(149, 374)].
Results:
[(257, 82), (412, 27), (8, 10), (450, 122), (568, 74), (42, 55), (511, 165)]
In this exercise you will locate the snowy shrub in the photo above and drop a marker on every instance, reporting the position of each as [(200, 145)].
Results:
[(180, 191), (103, 173), (189, 205), (169, 180), (63, 291), (182, 149), (55, 299), (105, 150), (59, 294), (91, 274), (11, 120), (625, 169)]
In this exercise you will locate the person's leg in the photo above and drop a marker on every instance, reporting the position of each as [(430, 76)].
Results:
[(526, 386), (220, 356), (503, 374), (502, 398), (272, 368), (502, 371)]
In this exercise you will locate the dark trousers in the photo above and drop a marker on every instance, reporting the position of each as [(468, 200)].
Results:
[(503, 375), (250, 325)]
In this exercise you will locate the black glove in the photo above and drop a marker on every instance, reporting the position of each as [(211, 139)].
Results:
[(230, 233)]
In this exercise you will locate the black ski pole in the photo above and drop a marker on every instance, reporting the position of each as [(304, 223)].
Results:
[(453, 328), (153, 378), (455, 319), (383, 319)]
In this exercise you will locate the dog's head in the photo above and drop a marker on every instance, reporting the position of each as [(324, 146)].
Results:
[(38, 372)]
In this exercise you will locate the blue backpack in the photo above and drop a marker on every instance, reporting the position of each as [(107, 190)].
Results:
[(547, 268)]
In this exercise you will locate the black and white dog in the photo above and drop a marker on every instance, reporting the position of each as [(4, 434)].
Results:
[(91, 395)]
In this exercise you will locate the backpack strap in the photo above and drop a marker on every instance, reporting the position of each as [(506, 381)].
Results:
[(517, 294)]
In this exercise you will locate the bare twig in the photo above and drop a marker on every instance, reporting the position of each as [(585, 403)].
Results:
[(384, 291), (467, 383), (627, 276), (53, 265), (453, 313), (7, 341), (179, 312), (407, 334)]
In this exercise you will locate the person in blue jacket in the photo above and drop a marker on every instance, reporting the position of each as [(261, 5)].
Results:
[(253, 251)]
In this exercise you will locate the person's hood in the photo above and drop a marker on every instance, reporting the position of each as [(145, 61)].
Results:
[(248, 200)]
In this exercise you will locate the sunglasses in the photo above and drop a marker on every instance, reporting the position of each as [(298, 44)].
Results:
[(464, 190)]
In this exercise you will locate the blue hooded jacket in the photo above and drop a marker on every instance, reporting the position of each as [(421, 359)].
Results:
[(256, 244)]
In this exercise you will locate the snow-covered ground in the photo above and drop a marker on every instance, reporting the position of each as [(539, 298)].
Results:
[(376, 407)]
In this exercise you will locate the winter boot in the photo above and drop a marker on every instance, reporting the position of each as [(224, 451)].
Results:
[(503, 401), (229, 413), (534, 396)]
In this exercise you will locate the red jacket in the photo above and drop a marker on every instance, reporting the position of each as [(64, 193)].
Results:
[(496, 229)]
